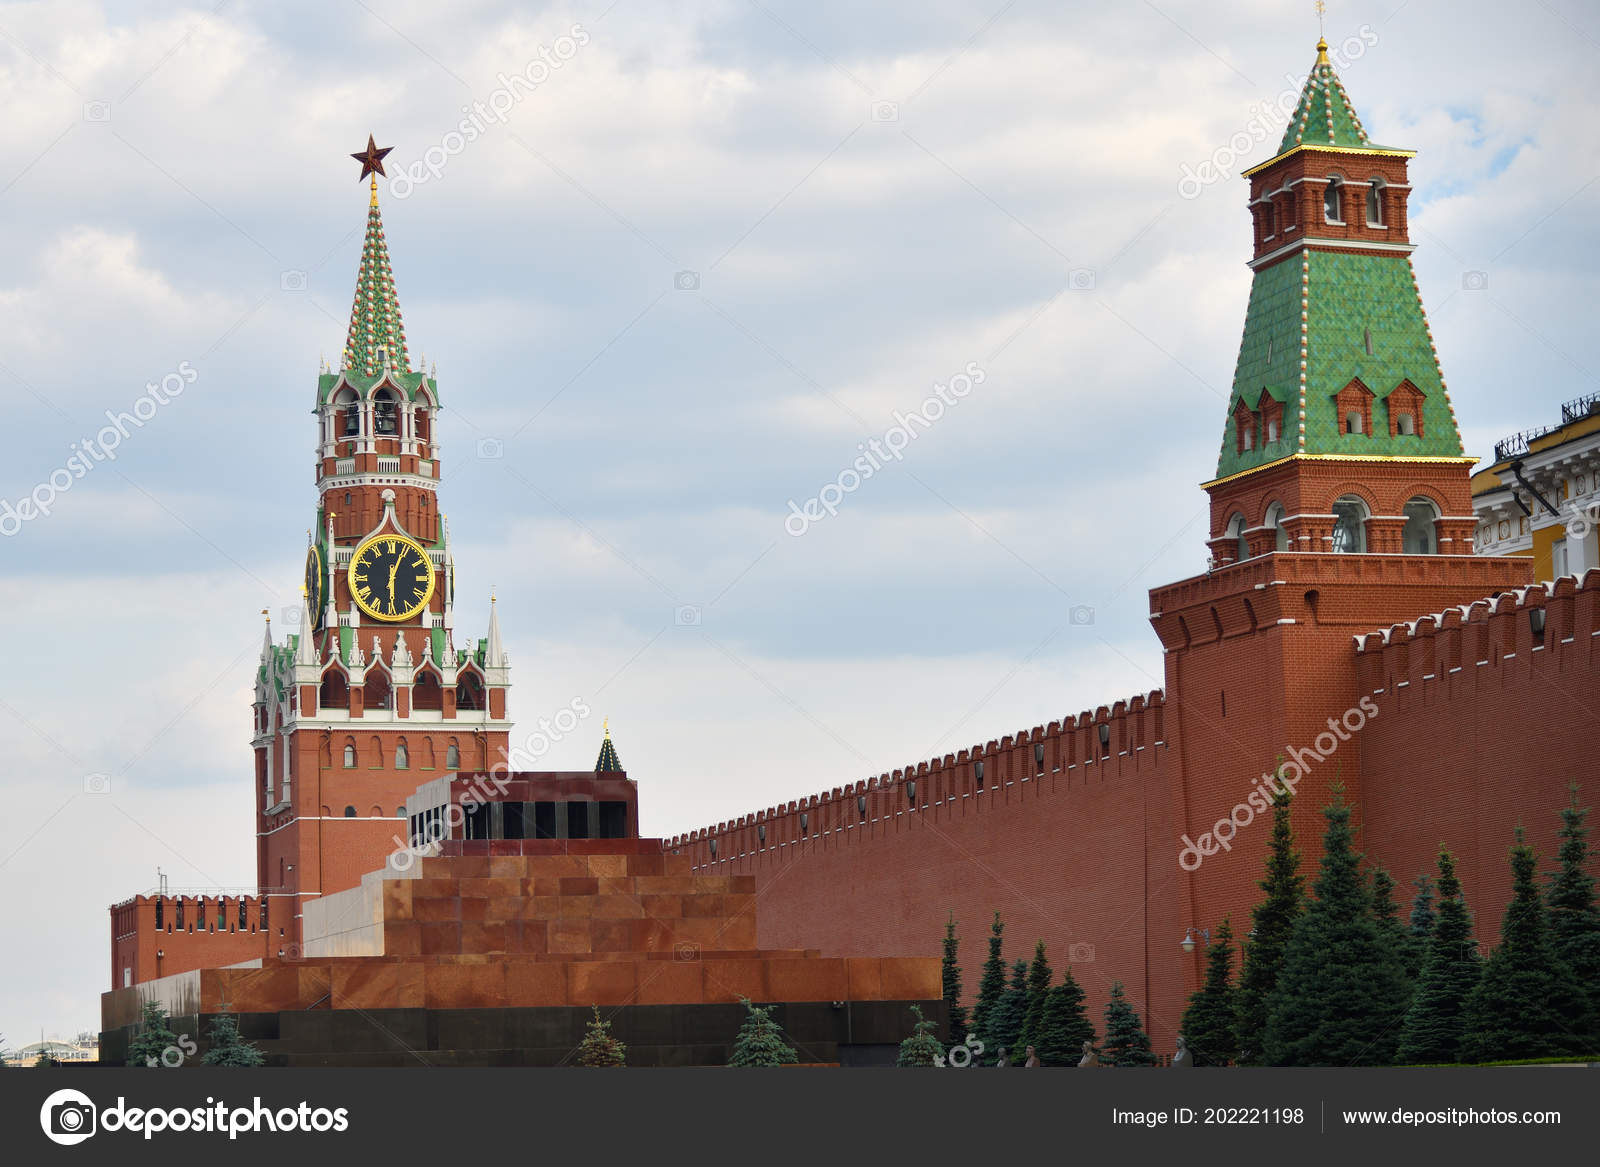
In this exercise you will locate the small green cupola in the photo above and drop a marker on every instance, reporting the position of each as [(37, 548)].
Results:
[(608, 762)]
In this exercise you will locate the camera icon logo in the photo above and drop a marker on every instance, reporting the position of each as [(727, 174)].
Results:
[(97, 783), (292, 280), (68, 1117), (684, 950), (687, 281), (885, 111), (491, 448), (291, 616), (1081, 279), (687, 616), (1474, 281), (1080, 615), (1080, 953), (97, 111)]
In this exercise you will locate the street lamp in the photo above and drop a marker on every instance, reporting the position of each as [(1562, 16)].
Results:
[(1190, 933)]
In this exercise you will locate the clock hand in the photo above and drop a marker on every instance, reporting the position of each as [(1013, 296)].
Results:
[(392, 570)]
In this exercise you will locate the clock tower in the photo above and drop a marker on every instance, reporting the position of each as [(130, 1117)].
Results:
[(372, 696)]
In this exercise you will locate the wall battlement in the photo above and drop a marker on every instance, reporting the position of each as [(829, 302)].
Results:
[(1128, 737)]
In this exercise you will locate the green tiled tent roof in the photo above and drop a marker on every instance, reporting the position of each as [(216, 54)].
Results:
[(608, 762), (376, 334), (1324, 115), (1312, 315), (408, 382)]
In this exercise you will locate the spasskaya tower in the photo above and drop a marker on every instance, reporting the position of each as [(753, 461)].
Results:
[(372, 696)]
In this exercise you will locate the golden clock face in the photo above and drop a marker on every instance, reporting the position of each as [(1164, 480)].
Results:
[(391, 577), (314, 598)]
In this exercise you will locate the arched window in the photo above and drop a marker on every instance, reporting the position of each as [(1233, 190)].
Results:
[(1375, 203), (349, 755), (1236, 533), (1267, 220), (421, 421), (1350, 526), (349, 413), (1275, 521), (452, 756), (349, 812), (1272, 430), (376, 691), (1331, 196), (427, 753), (402, 756), (469, 692), (1352, 422), (385, 412), (399, 812), (425, 691), (1420, 536), (335, 691), (1405, 424)]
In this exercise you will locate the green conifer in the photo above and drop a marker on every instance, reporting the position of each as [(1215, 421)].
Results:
[(1065, 1025), (1272, 924), (1127, 1044), (1210, 1025), (951, 974), (1432, 1030)]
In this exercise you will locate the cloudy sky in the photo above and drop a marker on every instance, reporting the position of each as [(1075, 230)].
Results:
[(715, 248)]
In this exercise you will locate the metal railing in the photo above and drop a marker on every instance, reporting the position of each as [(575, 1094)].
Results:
[(1575, 410)]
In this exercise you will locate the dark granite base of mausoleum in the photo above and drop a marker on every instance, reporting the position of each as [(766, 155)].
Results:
[(858, 1033)]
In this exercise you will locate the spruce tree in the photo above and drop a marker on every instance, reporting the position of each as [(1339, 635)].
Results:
[(1272, 924), (991, 988), (1402, 944), (1574, 919), (1210, 1024), (922, 1048), (153, 1038), (1039, 978), (951, 972), (1065, 1025), (760, 1041), (1127, 1044), (599, 1047), (1422, 913), (1341, 994), (1005, 1023), (1528, 1004), (1433, 1025), (226, 1047)]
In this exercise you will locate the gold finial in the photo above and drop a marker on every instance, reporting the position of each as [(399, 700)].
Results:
[(1322, 52), (605, 724), (374, 201), (267, 614), (303, 592), (1322, 36)]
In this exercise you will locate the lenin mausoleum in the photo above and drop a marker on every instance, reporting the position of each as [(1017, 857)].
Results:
[(422, 899)]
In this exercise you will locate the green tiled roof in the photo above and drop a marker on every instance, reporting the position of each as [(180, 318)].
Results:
[(1347, 299), (377, 336), (608, 762), (409, 382), (1324, 115)]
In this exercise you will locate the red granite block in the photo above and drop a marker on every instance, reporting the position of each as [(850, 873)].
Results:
[(617, 885), (652, 936), (314, 983), (864, 978), (738, 932), (608, 865), (703, 905), (677, 864), (470, 866), (498, 909), (667, 885), (584, 885), (807, 980), (503, 848), (262, 990), (540, 907), (483, 938), (575, 906), (532, 983), (436, 910), (662, 907), (558, 866), (612, 935), (712, 884), (542, 885), (402, 939), (570, 936), (433, 887), (601, 982), (670, 982), (397, 895), (441, 939), (531, 937), (623, 907), (728, 980), (647, 864), (469, 986), (911, 978), (743, 884), (510, 866), (474, 908), (366, 985)]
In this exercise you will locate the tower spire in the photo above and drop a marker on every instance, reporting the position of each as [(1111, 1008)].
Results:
[(377, 336), (494, 653), (608, 762)]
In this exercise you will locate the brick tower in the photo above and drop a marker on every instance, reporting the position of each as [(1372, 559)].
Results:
[(1341, 502), (371, 697)]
